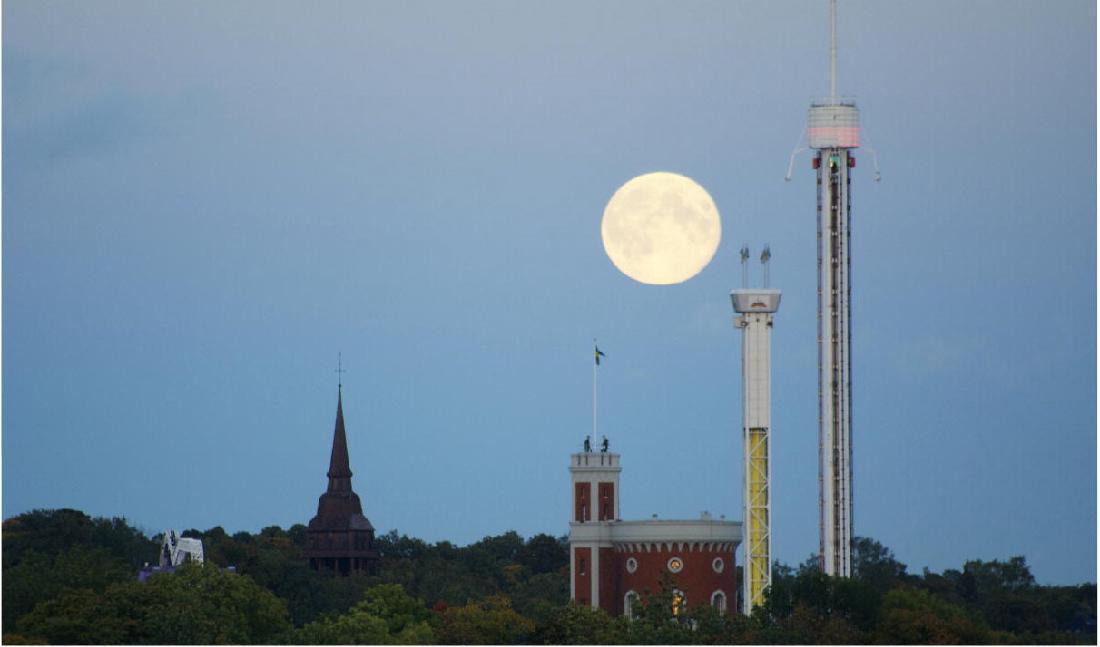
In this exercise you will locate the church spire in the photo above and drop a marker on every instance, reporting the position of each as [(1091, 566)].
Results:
[(339, 469), (339, 538)]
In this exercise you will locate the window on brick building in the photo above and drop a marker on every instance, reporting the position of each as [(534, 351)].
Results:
[(580, 566), (718, 601), (679, 602), (630, 602)]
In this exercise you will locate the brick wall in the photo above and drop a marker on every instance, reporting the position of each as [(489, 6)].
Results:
[(697, 579)]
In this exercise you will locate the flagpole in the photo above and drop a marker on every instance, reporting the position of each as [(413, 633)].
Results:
[(594, 365)]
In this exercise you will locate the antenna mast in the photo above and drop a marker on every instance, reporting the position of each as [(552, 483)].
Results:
[(832, 50)]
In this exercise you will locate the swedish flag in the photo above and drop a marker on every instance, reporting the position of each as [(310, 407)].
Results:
[(599, 354)]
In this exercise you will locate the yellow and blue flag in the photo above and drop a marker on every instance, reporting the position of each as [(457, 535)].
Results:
[(599, 354)]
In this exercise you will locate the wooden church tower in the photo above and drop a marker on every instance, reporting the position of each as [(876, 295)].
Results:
[(340, 539)]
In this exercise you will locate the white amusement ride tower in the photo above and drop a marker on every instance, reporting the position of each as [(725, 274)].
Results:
[(833, 132), (756, 309)]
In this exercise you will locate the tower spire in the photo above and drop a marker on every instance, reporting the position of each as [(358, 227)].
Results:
[(339, 538), (339, 469)]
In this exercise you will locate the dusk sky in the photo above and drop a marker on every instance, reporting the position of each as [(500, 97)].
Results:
[(204, 202)]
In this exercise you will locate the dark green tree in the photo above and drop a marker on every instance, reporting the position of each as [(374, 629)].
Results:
[(52, 532), (197, 604), (572, 624), (544, 554), (875, 565), (385, 615), (490, 621), (48, 551), (913, 616), (827, 598)]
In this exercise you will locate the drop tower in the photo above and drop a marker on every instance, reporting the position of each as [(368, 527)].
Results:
[(833, 133)]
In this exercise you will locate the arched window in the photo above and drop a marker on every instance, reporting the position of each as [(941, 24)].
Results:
[(679, 602), (718, 601), (630, 602)]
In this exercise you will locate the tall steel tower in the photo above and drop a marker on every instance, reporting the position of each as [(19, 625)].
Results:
[(833, 132), (756, 309)]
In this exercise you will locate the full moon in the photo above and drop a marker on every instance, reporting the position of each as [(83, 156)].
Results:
[(661, 228)]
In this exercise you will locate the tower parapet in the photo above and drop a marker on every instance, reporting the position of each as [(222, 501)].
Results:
[(595, 478)]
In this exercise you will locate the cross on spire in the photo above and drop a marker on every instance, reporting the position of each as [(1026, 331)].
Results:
[(339, 371)]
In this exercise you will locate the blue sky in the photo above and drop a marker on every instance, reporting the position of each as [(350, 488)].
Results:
[(204, 202)]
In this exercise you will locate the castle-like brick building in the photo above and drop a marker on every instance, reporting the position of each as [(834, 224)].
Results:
[(615, 564)]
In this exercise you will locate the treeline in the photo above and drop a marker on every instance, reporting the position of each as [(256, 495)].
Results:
[(70, 578)]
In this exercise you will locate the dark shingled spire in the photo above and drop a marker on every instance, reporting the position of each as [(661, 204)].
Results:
[(339, 468), (339, 506), (340, 539)]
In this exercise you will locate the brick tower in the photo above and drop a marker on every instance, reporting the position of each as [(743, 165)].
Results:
[(596, 503), (340, 539), (615, 564)]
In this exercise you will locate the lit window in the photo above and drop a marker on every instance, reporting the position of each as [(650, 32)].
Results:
[(679, 602), (675, 565)]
